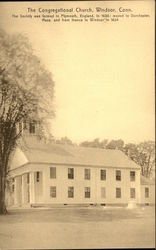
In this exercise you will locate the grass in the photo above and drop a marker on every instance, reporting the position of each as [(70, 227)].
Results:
[(78, 228)]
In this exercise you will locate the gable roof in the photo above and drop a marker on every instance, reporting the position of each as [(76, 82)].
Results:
[(75, 155)]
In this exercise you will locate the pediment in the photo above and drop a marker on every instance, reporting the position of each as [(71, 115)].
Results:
[(18, 158)]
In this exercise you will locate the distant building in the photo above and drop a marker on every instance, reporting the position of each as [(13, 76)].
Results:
[(147, 191)]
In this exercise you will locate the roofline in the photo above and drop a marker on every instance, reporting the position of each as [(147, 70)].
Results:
[(70, 164)]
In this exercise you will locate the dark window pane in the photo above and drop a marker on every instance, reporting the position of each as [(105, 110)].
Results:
[(146, 192), (118, 175), (70, 173), (20, 126), (52, 172), (32, 128), (70, 192), (132, 192), (132, 175), (53, 191), (37, 176), (87, 192), (87, 174), (24, 125), (118, 192), (103, 174)]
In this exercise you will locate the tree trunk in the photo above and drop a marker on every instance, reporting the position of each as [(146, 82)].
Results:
[(3, 209)]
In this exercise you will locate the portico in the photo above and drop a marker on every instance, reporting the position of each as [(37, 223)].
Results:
[(25, 188)]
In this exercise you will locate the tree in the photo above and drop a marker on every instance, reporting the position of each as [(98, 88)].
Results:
[(85, 144), (64, 140), (95, 143), (26, 93), (115, 144), (147, 149), (104, 143), (143, 154)]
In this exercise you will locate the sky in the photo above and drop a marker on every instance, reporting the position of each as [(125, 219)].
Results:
[(103, 72)]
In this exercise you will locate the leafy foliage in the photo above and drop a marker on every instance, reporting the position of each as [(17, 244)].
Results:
[(115, 144), (26, 93), (143, 154)]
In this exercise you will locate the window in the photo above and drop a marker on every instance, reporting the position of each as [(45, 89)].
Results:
[(70, 173), (132, 193), (103, 174), (87, 174), (70, 192), (118, 175), (20, 126), (37, 176), (118, 192), (103, 192), (53, 191), (13, 188), (87, 192), (24, 125), (132, 175), (52, 173), (12, 185), (146, 192), (32, 128)]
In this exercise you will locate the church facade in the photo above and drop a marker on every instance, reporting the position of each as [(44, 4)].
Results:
[(47, 174)]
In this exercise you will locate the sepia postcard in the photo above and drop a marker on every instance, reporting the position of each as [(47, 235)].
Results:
[(77, 124)]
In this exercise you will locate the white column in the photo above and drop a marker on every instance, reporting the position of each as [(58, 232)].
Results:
[(138, 186), (15, 191), (32, 188), (23, 189), (45, 186)]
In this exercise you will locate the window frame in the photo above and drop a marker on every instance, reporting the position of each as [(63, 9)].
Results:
[(87, 174), (87, 192), (53, 192), (32, 127), (147, 192), (117, 194), (132, 194), (103, 188), (103, 176), (20, 126), (13, 185), (71, 192), (71, 175), (38, 176), (52, 175), (24, 125), (132, 177), (118, 176)]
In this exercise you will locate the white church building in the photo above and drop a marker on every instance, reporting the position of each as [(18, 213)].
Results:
[(47, 174)]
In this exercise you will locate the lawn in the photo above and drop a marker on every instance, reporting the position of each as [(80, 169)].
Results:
[(78, 228)]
